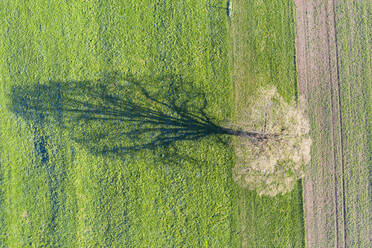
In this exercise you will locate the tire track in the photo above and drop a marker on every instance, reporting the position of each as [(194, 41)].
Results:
[(336, 123)]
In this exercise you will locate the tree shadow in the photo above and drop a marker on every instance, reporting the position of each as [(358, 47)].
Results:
[(121, 114)]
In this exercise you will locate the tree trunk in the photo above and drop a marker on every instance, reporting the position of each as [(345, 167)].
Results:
[(249, 134)]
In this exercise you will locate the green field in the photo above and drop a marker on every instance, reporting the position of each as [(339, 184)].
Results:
[(62, 186)]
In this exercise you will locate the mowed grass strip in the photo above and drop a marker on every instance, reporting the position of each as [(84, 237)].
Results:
[(263, 53), (55, 191)]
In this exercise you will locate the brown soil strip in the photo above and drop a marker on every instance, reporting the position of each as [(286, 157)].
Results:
[(318, 78)]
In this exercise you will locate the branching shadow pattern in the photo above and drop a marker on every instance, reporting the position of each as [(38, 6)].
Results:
[(121, 114)]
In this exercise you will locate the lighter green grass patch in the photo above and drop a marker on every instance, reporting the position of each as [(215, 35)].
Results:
[(263, 53)]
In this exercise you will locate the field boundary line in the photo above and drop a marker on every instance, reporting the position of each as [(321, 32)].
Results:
[(302, 88)]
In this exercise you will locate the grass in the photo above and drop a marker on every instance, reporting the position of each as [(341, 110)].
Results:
[(263, 53), (57, 192)]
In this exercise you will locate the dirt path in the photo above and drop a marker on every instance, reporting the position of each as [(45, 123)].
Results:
[(318, 77)]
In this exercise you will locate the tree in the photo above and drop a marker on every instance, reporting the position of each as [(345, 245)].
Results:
[(273, 165)]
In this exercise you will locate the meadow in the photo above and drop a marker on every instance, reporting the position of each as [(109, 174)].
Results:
[(67, 178)]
